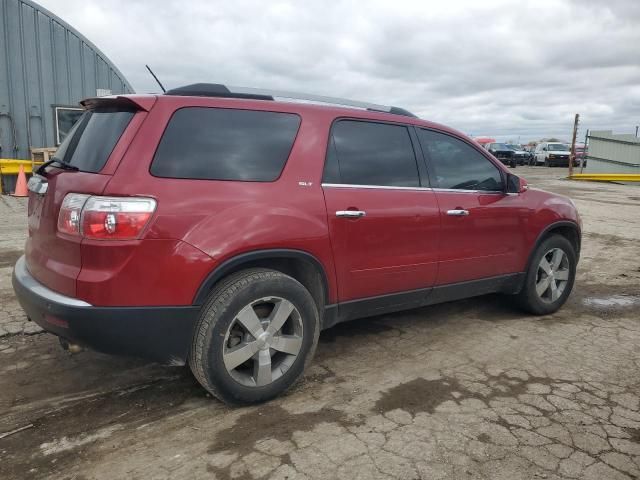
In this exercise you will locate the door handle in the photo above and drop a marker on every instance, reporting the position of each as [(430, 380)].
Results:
[(458, 212), (350, 213)]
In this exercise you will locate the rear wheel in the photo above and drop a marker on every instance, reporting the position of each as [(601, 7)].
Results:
[(550, 277), (256, 334)]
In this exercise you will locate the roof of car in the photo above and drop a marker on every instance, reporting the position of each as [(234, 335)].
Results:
[(224, 91), (286, 101)]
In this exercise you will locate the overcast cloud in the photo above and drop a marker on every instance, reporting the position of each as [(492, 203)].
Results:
[(489, 67)]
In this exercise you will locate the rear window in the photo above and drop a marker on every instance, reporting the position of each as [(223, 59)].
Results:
[(225, 144), (367, 153), (91, 141)]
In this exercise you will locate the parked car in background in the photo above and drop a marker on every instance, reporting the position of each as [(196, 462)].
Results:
[(552, 154), (220, 227), (502, 152), (531, 152), (522, 156)]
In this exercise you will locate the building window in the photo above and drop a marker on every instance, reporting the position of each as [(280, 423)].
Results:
[(66, 117)]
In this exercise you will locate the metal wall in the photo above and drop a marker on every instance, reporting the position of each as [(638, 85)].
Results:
[(44, 63), (611, 153)]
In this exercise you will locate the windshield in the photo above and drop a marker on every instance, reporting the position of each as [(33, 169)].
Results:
[(91, 140), (557, 147), (499, 146), (515, 147)]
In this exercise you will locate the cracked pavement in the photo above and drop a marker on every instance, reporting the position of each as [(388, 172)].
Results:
[(471, 389)]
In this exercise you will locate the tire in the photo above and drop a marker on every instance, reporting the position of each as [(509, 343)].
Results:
[(219, 335), (529, 298)]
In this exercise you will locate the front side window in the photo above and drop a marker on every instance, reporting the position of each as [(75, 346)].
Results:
[(457, 165), (225, 144), (367, 153)]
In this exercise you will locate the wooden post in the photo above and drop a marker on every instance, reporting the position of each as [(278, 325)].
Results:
[(572, 156)]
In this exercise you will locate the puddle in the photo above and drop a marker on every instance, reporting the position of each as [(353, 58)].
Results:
[(612, 301)]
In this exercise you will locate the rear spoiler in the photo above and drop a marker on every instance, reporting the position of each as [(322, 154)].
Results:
[(137, 102)]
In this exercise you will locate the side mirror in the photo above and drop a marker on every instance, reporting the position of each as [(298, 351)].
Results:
[(544, 149), (516, 184)]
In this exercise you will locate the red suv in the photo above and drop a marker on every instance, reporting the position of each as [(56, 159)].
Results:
[(225, 227)]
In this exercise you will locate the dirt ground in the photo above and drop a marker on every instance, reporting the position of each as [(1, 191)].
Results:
[(465, 390)]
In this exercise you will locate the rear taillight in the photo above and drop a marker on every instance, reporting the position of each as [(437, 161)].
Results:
[(105, 218), (71, 213)]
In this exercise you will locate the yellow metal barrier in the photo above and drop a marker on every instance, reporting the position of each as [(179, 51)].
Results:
[(607, 177), (9, 166)]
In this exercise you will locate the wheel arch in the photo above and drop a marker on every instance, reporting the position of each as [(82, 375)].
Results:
[(568, 229), (301, 265)]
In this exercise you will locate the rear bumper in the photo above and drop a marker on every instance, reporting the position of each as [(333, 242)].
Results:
[(161, 334)]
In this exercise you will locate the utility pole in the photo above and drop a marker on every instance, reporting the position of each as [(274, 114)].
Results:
[(584, 153), (637, 126), (572, 156)]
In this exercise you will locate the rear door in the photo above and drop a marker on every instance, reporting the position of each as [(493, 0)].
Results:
[(482, 232), (383, 218), (52, 257)]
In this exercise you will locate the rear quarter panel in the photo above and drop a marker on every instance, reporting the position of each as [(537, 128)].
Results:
[(222, 219)]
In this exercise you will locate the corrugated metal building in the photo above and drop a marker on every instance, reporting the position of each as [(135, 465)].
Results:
[(613, 153), (46, 68)]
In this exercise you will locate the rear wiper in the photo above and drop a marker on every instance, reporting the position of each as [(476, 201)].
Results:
[(59, 163)]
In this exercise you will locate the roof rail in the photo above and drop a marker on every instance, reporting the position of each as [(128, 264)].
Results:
[(219, 90)]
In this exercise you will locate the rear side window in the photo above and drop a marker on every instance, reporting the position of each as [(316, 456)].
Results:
[(225, 144), (93, 137), (366, 153), (457, 165)]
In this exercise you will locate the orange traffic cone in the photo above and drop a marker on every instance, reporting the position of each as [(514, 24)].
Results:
[(21, 184)]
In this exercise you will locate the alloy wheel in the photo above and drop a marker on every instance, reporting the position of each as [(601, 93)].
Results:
[(263, 341), (552, 275)]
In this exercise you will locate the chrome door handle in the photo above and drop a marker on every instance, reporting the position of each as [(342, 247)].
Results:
[(458, 213), (350, 213)]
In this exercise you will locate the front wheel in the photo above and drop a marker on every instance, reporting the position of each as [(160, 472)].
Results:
[(550, 277), (256, 334)]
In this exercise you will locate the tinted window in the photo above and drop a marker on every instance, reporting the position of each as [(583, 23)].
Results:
[(457, 165), (66, 118), (225, 144), (363, 153), (91, 140)]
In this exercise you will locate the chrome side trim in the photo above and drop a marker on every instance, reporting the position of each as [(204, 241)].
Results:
[(27, 281), (380, 187), (386, 187), (484, 192)]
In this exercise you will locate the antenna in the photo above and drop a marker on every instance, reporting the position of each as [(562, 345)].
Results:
[(155, 78)]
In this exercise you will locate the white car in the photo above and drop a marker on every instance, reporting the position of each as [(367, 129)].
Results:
[(552, 154)]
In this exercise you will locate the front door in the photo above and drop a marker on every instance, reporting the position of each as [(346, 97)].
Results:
[(482, 234), (384, 223)]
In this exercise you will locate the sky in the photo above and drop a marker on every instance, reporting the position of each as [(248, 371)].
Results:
[(512, 70)]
